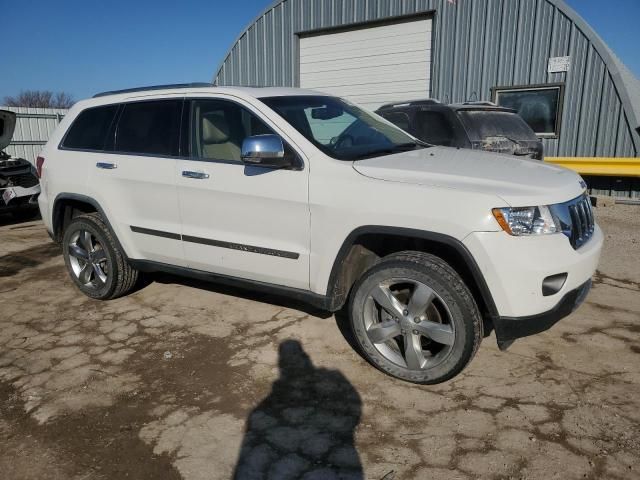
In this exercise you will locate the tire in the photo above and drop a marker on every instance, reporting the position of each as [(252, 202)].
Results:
[(104, 272), (414, 318)]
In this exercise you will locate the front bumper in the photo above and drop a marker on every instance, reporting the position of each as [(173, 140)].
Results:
[(514, 268), (509, 329), (25, 198)]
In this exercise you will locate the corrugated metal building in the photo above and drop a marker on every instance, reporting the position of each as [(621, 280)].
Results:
[(33, 128), (537, 56)]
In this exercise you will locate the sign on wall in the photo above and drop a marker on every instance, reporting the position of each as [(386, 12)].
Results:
[(559, 64)]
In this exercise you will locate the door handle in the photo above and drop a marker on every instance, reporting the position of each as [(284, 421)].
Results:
[(106, 166), (196, 175)]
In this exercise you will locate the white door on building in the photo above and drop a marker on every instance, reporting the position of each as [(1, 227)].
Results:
[(370, 66)]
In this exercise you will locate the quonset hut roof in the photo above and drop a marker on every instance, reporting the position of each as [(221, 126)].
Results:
[(477, 45)]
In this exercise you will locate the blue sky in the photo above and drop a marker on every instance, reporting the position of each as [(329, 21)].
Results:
[(84, 46)]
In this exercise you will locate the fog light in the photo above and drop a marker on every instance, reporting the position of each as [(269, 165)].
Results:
[(553, 284)]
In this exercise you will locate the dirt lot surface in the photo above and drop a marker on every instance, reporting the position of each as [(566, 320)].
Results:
[(194, 381)]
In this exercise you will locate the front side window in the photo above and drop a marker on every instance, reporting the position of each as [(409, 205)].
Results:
[(540, 106), (339, 128), (90, 129), (219, 127), (151, 128)]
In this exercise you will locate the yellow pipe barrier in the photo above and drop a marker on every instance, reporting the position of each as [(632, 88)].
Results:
[(603, 166)]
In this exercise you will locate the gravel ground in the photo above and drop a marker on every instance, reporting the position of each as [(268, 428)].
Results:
[(188, 380)]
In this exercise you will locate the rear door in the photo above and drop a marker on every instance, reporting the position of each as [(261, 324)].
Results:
[(241, 221), (136, 180)]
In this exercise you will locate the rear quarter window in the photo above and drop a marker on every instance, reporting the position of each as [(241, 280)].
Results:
[(89, 130)]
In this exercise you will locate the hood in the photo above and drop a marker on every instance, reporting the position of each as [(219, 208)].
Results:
[(7, 125), (519, 182)]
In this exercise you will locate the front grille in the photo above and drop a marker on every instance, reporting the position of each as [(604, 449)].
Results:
[(582, 221), (25, 180)]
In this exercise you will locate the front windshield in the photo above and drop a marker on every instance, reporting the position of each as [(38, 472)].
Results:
[(494, 123), (341, 129)]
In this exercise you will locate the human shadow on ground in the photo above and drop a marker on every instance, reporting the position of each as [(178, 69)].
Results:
[(304, 429)]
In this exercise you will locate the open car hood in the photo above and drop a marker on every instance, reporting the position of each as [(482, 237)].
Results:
[(7, 126)]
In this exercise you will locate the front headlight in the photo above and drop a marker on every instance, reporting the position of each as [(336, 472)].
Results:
[(527, 220)]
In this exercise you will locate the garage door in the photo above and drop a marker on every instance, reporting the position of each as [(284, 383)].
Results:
[(370, 66)]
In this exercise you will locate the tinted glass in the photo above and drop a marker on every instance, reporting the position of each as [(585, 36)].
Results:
[(486, 123), (538, 107), (1, 126), (434, 128), (399, 119), (90, 129), (220, 127), (339, 128), (150, 128)]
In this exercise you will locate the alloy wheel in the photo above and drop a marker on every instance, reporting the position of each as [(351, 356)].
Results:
[(409, 323), (88, 259)]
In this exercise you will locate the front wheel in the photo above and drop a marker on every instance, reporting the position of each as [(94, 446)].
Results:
[(415, 319), (94, 260)]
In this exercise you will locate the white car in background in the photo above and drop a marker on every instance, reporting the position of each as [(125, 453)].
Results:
[(19, 187), (427, 248)]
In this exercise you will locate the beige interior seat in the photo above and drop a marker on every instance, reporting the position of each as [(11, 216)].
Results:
[(217, 141)]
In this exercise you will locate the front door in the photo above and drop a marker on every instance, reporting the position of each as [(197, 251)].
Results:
[(241, 221)]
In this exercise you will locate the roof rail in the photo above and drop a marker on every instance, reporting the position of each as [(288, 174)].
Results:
[(481, 102), (154, 87), (411, 103)]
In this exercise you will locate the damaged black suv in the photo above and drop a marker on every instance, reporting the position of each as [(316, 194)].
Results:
[(474, 125), (19, 185)]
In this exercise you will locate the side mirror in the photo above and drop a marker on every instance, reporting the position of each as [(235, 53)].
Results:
[(264, 151)]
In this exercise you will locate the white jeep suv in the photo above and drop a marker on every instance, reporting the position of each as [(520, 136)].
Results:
[(306, 195)]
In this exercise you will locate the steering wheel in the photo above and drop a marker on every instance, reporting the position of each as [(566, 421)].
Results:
[(344, 141)]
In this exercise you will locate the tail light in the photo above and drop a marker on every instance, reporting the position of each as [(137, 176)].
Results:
[(39, 165)]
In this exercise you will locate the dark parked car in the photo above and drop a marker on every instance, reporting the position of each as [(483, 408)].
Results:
[(19, 186), (475, 125)]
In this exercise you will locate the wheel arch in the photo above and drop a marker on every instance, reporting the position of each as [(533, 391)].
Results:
[(67, 206), (365, 245)]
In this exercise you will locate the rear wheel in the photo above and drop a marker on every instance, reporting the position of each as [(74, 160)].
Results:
[(415, 319), (94, 260)]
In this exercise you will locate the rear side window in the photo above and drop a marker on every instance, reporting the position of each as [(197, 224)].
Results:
[(90, 129), (434, 128), (151, 128)]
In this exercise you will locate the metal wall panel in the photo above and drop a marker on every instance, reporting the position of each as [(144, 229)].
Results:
[(33, 128), (477, 44)]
